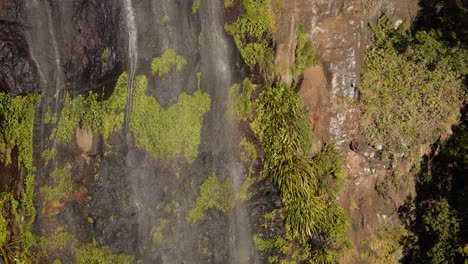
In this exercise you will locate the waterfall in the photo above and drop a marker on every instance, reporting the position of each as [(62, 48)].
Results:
[(59, 74), (132, 54), (241, 246)]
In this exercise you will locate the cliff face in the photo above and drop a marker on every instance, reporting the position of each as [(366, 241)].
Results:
[(341, 34), (118, 192)]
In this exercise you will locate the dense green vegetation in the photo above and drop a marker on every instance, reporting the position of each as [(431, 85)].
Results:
[(304, 53), (168, 133), (17, 215), (240, 100), (440, 214), (314, 222), (213, 194), (410, 89), (16, 126), (253, 34), (307, 187), (413, 86), (162, 65), (88, 112)]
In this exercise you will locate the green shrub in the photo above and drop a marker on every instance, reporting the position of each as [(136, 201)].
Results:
[(213, 194), (239, 101), (162, 65), (248, 150), (409, 90), (168, 133), (253, 32), (304, 54)]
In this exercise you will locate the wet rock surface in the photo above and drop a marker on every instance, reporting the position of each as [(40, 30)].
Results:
[(17, 73)]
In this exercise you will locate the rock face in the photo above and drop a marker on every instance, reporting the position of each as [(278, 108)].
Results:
[(17, 72), (340, 34)]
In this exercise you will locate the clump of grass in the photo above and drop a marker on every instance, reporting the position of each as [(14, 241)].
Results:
[(307, 187), (172, 132), (213, 194), (239, 100), (162, 65)]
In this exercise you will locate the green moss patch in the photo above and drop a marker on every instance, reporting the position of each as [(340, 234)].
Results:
[(60, 185), (162, 65), (91, 253), (195, 6), (213, 194), (16, 127), (157, 232), (17, 116), (172, 132), (98, 116)]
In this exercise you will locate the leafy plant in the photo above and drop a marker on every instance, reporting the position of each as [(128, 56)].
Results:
[(307, 187)]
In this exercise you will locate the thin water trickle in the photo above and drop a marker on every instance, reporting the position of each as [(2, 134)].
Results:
[(132, 55)]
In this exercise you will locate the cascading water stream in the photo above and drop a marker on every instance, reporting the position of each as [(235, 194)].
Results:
[(42, 36), (240, 235), (132, 56)]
